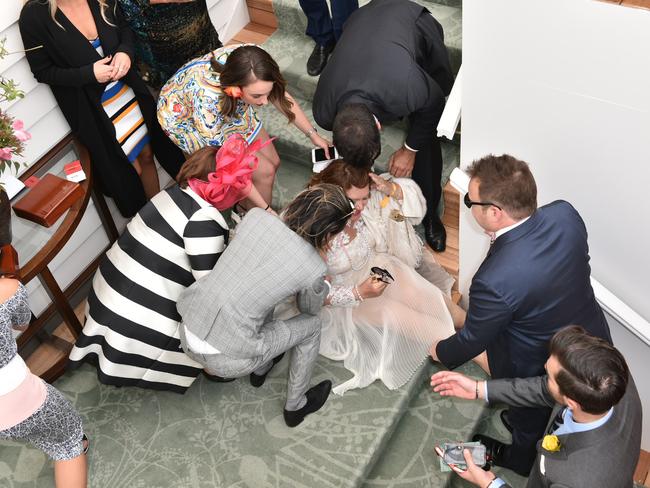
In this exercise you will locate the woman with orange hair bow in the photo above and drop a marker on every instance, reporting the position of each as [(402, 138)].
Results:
[(216, 95), (131, 329)]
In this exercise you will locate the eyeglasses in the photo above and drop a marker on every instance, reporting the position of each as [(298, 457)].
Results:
[(469, 203)]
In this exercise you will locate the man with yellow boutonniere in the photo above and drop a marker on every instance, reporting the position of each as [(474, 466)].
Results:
[(593, 437)]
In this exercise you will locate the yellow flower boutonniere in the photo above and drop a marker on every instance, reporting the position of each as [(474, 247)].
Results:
[(551, 443)]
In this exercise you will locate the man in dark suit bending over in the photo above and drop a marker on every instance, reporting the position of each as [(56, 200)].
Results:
[(392, 58), (534, 281), (593, 436)]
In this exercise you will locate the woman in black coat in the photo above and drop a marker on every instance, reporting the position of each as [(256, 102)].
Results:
[(64, 57)]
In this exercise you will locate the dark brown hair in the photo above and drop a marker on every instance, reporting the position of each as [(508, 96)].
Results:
[(5, 219), (198, 165), (594, 373), (245, 65), (507, 182), (318, 213), (356, 135), (342, 174)]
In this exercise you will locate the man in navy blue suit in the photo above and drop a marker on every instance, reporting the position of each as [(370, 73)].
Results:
[(534, 281)]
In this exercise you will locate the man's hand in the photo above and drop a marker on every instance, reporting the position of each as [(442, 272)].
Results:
[(121, 63), (473, 473), (450, 383), (401, 163)]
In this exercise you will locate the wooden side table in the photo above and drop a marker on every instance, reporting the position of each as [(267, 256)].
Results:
[(49, 358)]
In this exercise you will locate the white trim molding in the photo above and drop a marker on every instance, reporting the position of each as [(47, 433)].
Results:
[(451, 114), (621, 312)]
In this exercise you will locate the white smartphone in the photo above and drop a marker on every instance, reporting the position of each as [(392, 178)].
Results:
[(318, 155)]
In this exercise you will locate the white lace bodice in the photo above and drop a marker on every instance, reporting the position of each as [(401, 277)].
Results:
[(345, 258)]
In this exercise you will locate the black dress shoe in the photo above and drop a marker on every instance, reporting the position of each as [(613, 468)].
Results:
[(217, 379), (257, 380), (316, 398), (318, 59), (493, 448), (435, 233), (505, 420)]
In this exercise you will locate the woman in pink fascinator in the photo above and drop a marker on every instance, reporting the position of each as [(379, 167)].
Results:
[(131, 330)]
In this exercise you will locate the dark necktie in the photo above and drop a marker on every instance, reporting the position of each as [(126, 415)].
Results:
[(557, 421)]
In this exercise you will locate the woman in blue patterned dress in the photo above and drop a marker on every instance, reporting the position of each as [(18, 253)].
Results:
[(214, 96)]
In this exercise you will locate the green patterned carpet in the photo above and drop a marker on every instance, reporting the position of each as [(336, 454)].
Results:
[(233, 435)]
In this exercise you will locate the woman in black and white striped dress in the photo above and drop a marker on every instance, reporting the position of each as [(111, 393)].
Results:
[(131, 329)]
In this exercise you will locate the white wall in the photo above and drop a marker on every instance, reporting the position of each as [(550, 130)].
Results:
[(565, 86)]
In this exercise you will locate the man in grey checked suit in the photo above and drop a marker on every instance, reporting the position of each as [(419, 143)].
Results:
[(594, 435), (227, 316)]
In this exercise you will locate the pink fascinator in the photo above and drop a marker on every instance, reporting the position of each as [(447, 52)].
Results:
[(232, 178)]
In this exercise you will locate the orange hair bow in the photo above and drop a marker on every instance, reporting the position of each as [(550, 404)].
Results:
[(232, 91)]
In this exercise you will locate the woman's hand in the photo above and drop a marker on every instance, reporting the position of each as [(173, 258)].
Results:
[(321, 142), (122, 63), (380, 184), (103, 70), (371, 288), (386, 187)]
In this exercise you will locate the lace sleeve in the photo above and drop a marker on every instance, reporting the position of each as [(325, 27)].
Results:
[(342, 296)]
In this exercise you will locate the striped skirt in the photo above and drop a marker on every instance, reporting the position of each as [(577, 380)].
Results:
[(121, 107)]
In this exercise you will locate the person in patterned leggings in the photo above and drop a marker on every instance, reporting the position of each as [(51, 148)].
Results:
[(30, 409)]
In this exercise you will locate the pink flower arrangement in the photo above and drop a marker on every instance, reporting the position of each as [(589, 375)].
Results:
[(12, 138), (21, 135), (12, 132)]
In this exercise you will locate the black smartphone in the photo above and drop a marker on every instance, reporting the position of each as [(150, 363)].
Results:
[(382, 274)]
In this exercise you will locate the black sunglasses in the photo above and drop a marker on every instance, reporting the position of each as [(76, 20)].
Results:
[(469, 203)]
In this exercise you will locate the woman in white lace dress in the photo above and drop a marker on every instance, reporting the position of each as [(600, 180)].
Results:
[(381, 331)]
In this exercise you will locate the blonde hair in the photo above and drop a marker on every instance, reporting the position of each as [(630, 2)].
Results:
[(103, 6)]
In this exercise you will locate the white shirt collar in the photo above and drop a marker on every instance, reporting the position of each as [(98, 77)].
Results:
[(500, 232)]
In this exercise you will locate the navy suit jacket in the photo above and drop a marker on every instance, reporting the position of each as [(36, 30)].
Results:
[(533, 282)]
